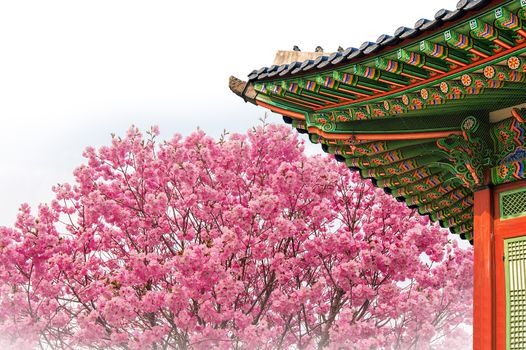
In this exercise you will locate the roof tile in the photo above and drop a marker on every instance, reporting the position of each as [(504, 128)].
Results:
[(475, 4), (371, 49), (453, 15), (290, 68), (329, 60), (354, 54), (441, 13), (409, 33), (367, 48), (431, 25), (301, 66), (400, 30), (421, 22), (278, 70)]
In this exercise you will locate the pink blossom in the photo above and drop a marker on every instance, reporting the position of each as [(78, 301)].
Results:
[(242, 243)]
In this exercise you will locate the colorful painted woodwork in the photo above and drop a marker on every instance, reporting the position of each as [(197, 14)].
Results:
[(469, 154), (413, 115)]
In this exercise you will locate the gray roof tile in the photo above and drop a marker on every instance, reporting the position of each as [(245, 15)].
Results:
[(367, 48)]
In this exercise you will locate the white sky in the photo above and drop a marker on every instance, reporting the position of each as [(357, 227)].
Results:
[(72, 72)]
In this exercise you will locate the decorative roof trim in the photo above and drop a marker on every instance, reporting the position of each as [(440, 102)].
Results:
[(402, 36)]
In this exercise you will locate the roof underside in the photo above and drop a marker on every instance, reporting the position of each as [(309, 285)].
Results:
[(411, 111)]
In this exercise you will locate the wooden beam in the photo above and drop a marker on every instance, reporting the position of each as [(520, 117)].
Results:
[(428, 82), (484, 272), (295, 115), (383, 137)]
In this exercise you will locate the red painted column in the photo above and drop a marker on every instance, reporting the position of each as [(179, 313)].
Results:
[(484, 272)]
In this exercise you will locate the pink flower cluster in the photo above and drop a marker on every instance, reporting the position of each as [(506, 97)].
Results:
[(244, 243)]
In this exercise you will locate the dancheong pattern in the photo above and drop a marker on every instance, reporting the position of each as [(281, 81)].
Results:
[(412, 112)]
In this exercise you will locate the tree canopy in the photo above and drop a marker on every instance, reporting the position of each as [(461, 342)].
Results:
[(242, 243)]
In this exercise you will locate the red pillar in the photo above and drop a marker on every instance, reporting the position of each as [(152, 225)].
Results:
[(484, 272)]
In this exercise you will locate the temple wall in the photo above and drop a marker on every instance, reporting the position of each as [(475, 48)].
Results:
[(286, 57)]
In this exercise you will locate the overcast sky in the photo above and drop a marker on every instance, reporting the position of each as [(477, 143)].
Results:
[(73, 72)]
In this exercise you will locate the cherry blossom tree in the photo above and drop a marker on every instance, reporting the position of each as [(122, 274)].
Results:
[(241, 243)]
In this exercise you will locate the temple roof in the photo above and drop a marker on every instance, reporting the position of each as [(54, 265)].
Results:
[(430, 114), (401, 36)]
